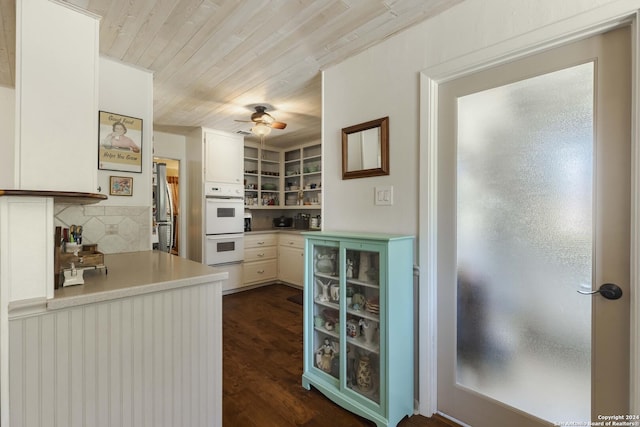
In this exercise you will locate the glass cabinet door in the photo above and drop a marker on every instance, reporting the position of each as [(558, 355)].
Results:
[(362, 318), (325, 339)]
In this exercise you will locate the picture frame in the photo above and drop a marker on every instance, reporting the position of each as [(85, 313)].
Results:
[(365, 149), (120, 186), (119, 142)]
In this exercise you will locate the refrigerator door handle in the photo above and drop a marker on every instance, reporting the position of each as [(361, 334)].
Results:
[(170, 219)]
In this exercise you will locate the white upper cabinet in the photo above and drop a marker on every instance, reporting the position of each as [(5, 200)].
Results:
[(56, 97), (224, 157)]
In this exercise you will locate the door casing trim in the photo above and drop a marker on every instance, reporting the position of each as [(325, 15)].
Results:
[(590, 23)]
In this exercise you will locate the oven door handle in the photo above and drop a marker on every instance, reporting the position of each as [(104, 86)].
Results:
[(230, 236), (227, 198)]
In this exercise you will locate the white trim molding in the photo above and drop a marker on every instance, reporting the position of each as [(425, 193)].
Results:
[(634, 369), (595, 21), (428, 247)]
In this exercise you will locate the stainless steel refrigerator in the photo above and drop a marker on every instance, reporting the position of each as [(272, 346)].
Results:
[(163, 209)]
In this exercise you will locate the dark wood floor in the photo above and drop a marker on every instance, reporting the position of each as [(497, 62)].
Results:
[(262, 336)]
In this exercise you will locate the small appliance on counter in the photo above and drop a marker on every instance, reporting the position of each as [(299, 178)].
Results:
[(247, 221), (314, 223), (301, 222), (283, 222)]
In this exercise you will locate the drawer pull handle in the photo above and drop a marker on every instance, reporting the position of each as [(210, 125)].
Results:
[(261, 243), (260, 255), (260, 271)]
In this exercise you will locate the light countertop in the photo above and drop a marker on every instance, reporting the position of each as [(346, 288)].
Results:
[(288, 230), (135, 273)]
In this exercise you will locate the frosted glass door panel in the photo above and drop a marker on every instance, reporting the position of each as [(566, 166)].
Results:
[(524, 243)]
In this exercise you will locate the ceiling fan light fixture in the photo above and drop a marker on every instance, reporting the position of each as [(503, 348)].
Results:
[(261, 129), (267, 118)]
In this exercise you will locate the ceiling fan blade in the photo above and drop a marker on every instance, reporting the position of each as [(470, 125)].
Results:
[(243, 121), (278, 125)]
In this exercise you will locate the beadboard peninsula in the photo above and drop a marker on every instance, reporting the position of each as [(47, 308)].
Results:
[(139, 344)]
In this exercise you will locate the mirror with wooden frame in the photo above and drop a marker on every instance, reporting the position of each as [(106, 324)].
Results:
[(365, 149)]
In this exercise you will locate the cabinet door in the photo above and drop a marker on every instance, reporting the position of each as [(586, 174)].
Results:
[(57, 84), (325, 338), (291, 265), (224, 157), (365, 361)]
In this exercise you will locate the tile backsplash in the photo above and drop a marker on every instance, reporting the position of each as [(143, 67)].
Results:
[(115, 229)]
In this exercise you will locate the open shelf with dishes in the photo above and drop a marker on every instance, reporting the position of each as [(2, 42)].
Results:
[(303, 176), (283, 178), (353, 322), (261, 177)]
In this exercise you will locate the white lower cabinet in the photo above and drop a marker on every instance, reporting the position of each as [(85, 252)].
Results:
[(273, 256), (235, 280), (291, 259), (260, 258)]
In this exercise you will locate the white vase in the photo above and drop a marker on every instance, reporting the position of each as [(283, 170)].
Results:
[(369, 331), (335, 292), (325, 290)]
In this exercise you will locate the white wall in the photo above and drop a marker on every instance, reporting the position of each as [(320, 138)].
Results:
[(120, 223), (127, 90), (384, 81), (355, 92), (7, 136), (169, 145)]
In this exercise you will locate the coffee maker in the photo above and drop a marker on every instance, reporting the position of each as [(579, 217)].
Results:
[(247, 221)]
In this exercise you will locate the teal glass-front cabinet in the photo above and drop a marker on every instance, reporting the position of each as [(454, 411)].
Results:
[(358, 322)]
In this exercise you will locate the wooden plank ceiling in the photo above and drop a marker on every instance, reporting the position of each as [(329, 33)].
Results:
[(213, 60)]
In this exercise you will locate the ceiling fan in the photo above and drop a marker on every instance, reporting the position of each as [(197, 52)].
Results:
[(264, 121)]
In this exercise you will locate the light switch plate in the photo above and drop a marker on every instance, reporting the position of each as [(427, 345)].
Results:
[(383, 195)]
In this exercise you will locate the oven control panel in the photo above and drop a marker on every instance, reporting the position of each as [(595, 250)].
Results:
[(214, 189)]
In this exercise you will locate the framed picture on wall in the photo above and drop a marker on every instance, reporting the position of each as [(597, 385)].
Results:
[(119, 142), (120, 186)]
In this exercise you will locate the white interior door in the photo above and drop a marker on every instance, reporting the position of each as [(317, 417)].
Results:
[(534, 206)]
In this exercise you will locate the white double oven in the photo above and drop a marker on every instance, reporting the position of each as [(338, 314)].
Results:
[(224, 224)]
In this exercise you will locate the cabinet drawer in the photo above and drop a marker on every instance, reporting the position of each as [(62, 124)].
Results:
[(260, 271), (258, 254), (260, 240), (291, 240)]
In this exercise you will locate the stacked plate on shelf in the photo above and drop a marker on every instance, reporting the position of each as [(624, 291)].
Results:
[(373, 306), (292, 199)]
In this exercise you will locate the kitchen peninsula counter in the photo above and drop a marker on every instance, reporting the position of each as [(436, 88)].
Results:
[(139, 345), (135, 273)]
